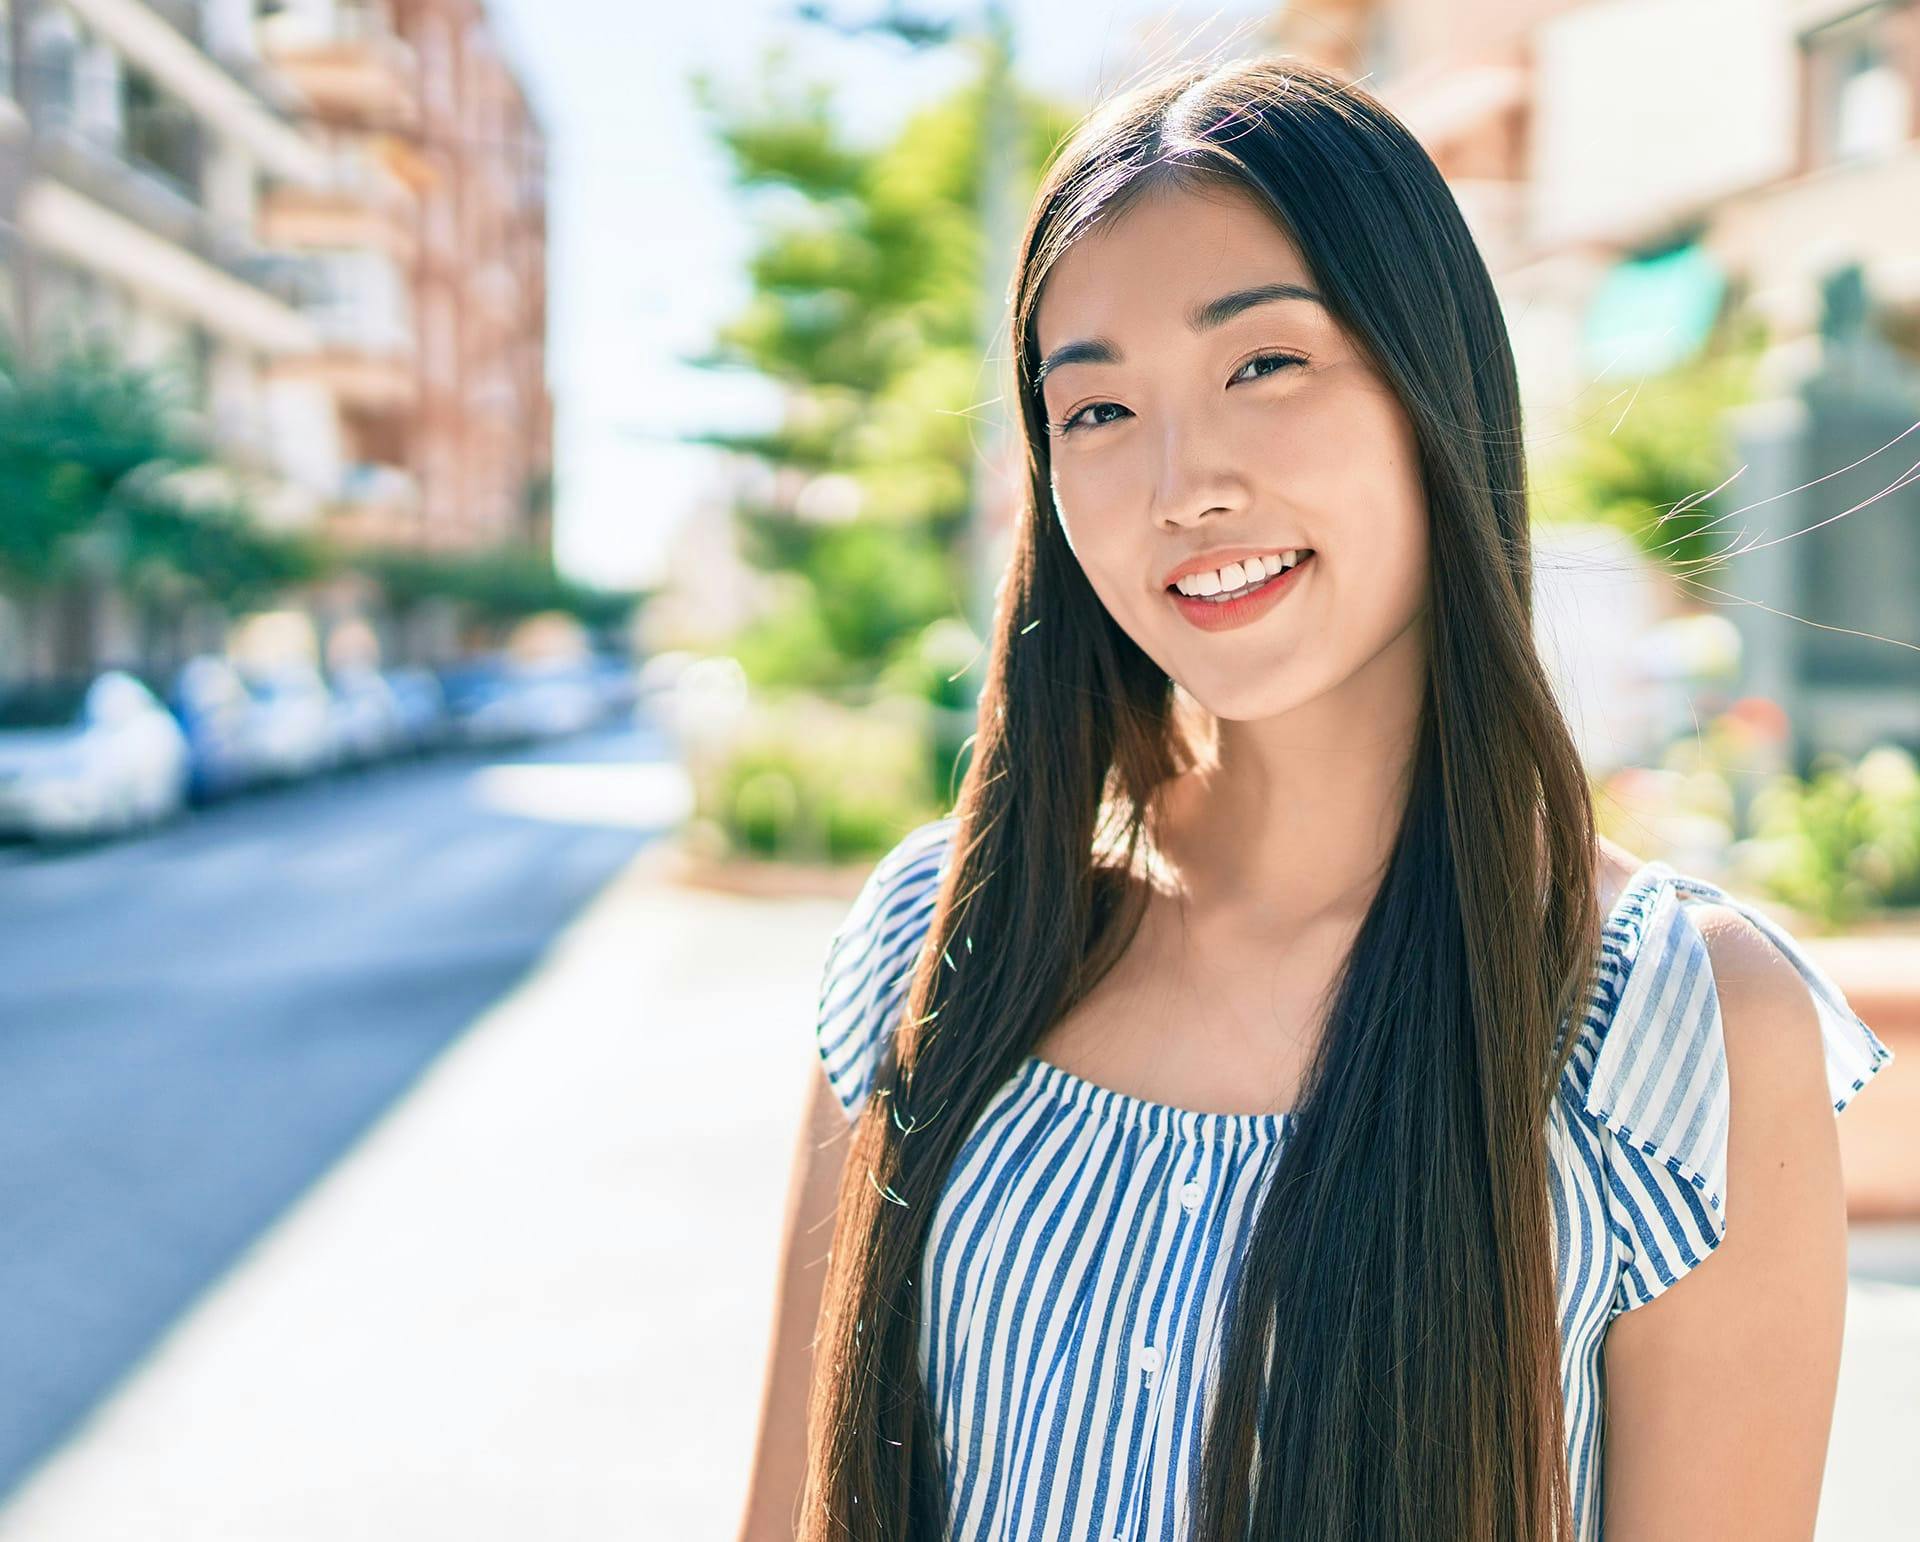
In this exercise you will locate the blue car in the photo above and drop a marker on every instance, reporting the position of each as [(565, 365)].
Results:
[(217, 713)]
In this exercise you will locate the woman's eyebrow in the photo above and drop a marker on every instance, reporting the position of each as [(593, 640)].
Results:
[(1218, 312), (1202, 318)]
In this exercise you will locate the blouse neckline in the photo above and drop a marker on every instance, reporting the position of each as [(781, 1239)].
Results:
[(1155, 1118), (1144, 1114)]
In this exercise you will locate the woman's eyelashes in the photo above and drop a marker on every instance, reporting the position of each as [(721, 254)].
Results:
[(1078, 418)]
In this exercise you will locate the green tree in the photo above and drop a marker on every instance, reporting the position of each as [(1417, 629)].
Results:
[(493, 587), (77, 439), (1644, 463), (91, 449), (865, 280)]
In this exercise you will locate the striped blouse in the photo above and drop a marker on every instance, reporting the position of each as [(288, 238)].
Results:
[(1072, 1283)]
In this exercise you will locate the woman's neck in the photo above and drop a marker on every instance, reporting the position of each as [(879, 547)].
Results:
[(1290, 821)]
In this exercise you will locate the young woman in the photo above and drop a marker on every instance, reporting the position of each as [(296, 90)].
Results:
[(1268, 1108)]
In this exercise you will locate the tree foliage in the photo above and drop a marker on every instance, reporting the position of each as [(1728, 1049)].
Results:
[(864, 306), (91, 455), (1644, 461), (492, 586)]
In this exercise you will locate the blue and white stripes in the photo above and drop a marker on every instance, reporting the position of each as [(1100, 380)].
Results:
[(870, 961), (1085, 1246)]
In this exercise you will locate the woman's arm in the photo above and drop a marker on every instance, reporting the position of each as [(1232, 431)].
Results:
[(1720, 1391), (780, 1455)]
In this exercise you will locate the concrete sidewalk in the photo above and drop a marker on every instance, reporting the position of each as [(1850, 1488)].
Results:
[(533, 1302)]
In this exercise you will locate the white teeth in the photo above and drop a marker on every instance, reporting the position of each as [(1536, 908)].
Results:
[(1239, 575)]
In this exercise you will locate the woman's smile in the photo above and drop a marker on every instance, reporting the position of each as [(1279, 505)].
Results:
[(1223, 612)]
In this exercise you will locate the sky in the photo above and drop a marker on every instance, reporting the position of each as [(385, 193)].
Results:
[(648, 242)]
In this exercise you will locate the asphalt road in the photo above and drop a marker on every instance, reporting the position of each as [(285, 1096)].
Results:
[(196, 1024)]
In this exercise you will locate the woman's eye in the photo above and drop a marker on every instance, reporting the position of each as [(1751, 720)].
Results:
[(1073, 419), (1269, 358), (1079, 418)]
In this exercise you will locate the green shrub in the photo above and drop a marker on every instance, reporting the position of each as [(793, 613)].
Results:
[(806, 779), (939, 664), (1842, 843), (1838, 845)]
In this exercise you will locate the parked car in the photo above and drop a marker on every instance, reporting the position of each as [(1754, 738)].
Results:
[(494, 700), (618, 683), (656, 680), (556, 699), (294, 724), (423, 708), (365, 721), (221, 721), (83, 758), (476, 692)]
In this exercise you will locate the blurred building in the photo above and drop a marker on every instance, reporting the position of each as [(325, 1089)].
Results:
[(329, 217), (134, 140), (1625, 164), (431, 231), (1636, 170)]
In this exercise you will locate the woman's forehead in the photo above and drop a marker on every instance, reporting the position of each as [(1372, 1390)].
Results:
[(1157, 257)]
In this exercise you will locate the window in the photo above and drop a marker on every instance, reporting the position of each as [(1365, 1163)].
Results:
[(52, 51), (1859, 99), (161, 135)]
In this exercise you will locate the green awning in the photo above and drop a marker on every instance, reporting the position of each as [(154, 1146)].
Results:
[(1651, 313)]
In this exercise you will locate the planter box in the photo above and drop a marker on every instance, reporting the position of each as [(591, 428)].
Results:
[(764, 879), (1880, 1131)]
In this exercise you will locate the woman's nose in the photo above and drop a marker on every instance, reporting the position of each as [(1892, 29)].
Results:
[(1196, 475)]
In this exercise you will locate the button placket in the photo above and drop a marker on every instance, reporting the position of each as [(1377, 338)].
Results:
[(1147, 1359)]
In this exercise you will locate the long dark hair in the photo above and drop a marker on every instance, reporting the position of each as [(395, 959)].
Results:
[(1393, 1346)]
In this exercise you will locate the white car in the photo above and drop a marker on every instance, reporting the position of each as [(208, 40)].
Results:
[(294, 722), (81, 759), (366, 722), (556, 700)]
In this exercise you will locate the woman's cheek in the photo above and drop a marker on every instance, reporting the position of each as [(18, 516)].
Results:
[(1092, 516), (1104, 560), (1090, 482)]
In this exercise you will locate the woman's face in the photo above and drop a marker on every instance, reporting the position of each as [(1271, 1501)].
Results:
[(1262, 430)]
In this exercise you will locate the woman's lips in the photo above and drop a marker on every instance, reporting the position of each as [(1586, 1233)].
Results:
[(1225, 615)]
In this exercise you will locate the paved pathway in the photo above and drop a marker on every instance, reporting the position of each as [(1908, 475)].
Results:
[(195, 1025)]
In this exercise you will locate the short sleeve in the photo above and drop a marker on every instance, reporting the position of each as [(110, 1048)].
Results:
[(1659, 1085), (871, 959)]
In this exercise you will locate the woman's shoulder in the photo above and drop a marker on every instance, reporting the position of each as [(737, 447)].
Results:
[(872, 954), (899, 889), (1614, 867), (1692, 975)]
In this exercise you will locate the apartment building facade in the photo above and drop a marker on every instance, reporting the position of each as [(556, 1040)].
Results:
[(434, 236), (1766, 142), (1634, 170), (329, 219), (132, 151)]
